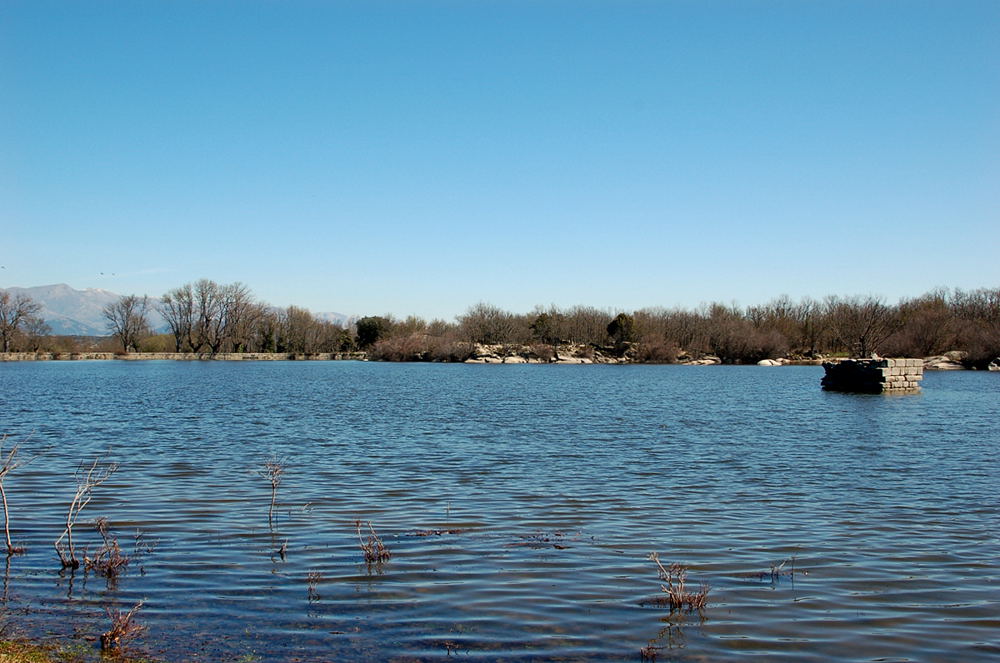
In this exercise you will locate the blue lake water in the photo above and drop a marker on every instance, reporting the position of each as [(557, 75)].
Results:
[(519, 504)]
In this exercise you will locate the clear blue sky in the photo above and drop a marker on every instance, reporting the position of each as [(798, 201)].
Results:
[(419, 157)]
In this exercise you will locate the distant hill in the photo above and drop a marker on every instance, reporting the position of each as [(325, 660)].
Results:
[(75, 312)]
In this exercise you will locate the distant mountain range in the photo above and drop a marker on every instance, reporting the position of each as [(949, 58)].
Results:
[(74, 312), (69, 311)]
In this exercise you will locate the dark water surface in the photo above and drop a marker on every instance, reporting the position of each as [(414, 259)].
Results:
[(556, 481)]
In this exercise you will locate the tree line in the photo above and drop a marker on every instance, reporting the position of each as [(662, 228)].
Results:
[(931, 324), (208, 317)]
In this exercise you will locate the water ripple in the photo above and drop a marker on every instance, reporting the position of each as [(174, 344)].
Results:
[(519, 503)]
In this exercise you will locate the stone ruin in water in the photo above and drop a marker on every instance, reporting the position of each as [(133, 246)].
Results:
[(874, 376)]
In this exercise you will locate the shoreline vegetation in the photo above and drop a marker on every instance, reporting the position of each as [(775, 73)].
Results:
[(25, 650), (207, 320), (481, 355)]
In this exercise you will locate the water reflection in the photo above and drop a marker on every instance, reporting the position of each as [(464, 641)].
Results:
[(671, 636)]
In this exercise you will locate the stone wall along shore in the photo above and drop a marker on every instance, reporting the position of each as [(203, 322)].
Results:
[(179, 356)]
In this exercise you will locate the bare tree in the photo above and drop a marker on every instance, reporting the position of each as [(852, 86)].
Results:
[(861, 324), (35, 331), (209, 322), (128, 320), (778, 315), (10, 462), (683, 329), (812, 332), (978, 314), (300, 330), (273, 470), (241, 313), (586, 324), (177, 308), (487, 324), (205, 314), (14, 309), (88, 477), (927, 326), (267, 331)]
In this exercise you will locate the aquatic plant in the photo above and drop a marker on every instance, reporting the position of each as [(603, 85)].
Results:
[(88, 477), (677, 595), (110, 560), (777, 569), (373, 548), (123, 629)]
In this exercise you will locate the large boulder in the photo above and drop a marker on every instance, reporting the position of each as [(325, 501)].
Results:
[(942, 363), (707, 360)]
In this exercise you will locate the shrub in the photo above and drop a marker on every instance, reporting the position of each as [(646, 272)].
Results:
[(657, 352), (677, 596), (400, 348), (543, 351), (449, 350), (123, 629)]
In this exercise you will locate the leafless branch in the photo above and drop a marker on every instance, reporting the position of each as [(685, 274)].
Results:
[(273, 470), (88, 477)]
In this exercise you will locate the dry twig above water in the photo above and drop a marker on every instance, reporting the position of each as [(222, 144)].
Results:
[(373, 548)]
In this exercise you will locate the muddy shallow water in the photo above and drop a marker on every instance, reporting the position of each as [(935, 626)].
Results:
[(519, 504)]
